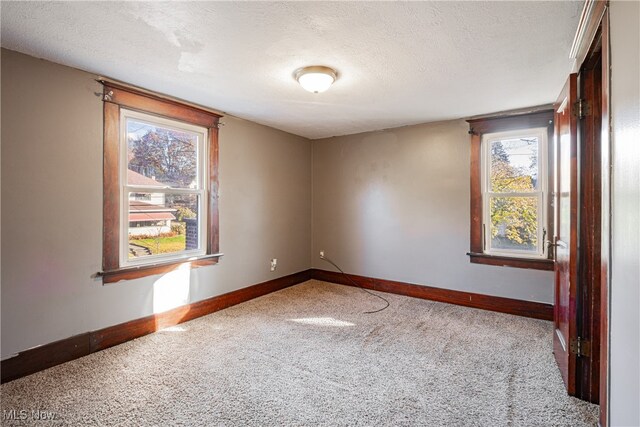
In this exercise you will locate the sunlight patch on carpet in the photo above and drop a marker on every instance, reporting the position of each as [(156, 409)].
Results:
[(322, 321)]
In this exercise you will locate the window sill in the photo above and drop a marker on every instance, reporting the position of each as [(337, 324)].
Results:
[(128, 273), (535, 264)]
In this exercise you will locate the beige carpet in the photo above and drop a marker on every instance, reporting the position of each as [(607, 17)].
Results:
[(308, 356)]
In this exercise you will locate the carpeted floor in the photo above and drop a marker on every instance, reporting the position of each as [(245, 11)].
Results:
[(308, 356)]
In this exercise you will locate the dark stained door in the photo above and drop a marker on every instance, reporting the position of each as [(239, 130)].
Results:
[(565, 241)]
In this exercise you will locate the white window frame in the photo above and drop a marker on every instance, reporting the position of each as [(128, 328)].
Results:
[(541, 192), (201, 190)]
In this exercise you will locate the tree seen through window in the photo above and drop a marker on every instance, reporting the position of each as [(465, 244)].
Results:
[(513, 174)]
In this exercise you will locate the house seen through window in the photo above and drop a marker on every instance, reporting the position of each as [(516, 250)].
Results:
[(163, 190)]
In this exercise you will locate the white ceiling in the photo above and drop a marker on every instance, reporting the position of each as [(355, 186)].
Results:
[(398, 63)]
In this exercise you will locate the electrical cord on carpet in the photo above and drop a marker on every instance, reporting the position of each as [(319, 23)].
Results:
[(357, 286)]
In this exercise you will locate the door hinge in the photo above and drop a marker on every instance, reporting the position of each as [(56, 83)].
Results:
[(580, 347), (581, 108)]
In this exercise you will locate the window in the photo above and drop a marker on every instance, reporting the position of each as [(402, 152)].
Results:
[(514, 191), (160, 184), (163, 186), (510, 190)]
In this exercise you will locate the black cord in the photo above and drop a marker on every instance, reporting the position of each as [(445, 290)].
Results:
[(358, 286)]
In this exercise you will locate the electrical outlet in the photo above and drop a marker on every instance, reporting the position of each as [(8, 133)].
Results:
[(274, 264), (321, 254)]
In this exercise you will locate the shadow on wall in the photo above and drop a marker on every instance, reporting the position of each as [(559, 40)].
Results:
[(356, 187), (376, 220)]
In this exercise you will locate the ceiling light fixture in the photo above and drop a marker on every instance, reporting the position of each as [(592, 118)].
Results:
[(316, 78)]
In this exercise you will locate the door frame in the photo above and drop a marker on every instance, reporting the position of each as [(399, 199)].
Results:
[(594, 21), (590, 222)]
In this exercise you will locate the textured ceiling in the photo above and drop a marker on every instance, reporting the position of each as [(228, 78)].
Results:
[(398, 63)]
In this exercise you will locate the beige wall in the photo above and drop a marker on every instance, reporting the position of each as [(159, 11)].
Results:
[(624, 347), (395, 205), (52, 211)]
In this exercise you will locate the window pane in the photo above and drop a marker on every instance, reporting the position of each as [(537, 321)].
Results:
[(162, 223), (514, 165), (514, 223), (160, 156)]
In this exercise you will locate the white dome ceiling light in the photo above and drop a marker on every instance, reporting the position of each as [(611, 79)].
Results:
[(316, 78)]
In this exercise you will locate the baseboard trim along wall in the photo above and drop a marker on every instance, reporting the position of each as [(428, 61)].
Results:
[(49, 355), (535, 310)]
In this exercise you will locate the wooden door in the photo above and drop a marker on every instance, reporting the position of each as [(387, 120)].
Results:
[(565, 241)]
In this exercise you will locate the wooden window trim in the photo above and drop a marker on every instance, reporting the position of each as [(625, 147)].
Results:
[(115, 97), (503, 123)]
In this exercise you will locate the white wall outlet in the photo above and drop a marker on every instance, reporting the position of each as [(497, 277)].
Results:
[(274, 264), (321, 254)]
